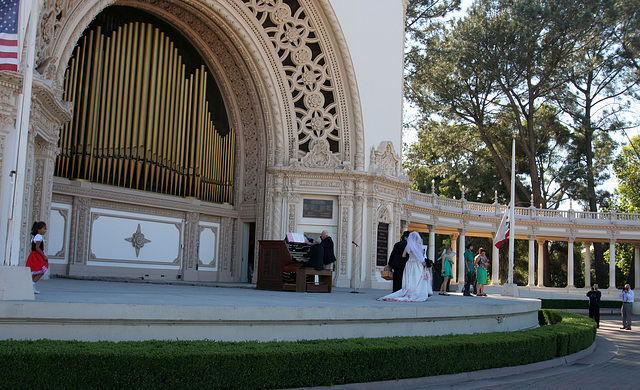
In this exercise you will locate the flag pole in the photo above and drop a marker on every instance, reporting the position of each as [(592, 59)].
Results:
[(512, 220)]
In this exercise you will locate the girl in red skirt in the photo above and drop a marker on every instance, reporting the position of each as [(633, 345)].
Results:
[(37, 260)]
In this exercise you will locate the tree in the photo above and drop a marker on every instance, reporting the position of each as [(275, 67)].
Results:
[(627, 170)]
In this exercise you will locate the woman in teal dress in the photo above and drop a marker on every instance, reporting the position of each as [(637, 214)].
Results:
[(447, 272), (481, 263)]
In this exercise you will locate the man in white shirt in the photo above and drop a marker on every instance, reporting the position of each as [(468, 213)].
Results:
[(627, 305)]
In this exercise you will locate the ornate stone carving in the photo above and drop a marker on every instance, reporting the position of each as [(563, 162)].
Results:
[(137, 240), (319, 156), (292, 218), (80, 230), (301, 45), (344, 242), (385, 159), (192, 234), (383, 214), (37, 191)]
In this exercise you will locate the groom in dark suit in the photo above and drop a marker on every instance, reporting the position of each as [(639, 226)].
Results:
[(397, 262)]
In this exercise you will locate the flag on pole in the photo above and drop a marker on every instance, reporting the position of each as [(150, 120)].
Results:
[(9, 34), (503, 231)]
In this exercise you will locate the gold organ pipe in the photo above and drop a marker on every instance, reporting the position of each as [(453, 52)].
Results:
[(133, 132), (178, 128), (104, 108), (77, 144), (204, 154), (108, 112), (127, 130), (148, 103), (73, 125), (94, 114), (125, 72), (218, 166), (90, 84), (187, 135), (116, 100), (169, 110), (65, 137), (173, 148), (225, 171), (201, 131), (195, 127), (154, 116), (144, 128)]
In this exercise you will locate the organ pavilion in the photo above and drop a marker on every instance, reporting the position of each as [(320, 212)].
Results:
[(166, 138)]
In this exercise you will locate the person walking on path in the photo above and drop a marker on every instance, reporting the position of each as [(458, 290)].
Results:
[(481, 263), (37, 260), (594, 304), (627, 296), (397, 261), (469, 270), (447, 272)]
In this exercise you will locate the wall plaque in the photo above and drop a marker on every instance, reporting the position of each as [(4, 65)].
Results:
[(317, 208), (383, 244)]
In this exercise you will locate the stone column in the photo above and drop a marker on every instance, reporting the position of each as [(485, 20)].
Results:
[(587, 264), (460, 256), (431, 251), (532, 261), (570, 272), (495, 266), (637, 267), (540, 262), (454, 269), (612, 264)]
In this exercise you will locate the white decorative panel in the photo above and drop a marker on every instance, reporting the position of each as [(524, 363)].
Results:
[(142, 240), (58, 234), (208, 246)]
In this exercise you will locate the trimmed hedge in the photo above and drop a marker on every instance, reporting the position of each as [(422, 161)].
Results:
[(563, 304), (251, 365)]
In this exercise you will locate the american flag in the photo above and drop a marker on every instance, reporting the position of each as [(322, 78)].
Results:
[(9, 34)]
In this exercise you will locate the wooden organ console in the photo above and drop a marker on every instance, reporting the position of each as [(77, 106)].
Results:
[(280, 268)]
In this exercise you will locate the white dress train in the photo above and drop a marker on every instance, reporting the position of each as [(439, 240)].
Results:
[(416, 283)]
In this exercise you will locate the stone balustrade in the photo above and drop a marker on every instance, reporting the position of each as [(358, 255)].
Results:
[(460, 218)]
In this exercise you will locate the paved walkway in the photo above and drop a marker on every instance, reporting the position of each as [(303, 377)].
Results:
[(613, 364)]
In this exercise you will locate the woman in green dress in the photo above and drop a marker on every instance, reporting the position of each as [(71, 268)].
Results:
[(481, 263), (447, 272)]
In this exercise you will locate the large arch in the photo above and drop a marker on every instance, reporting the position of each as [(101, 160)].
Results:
[(291, 107), (234, 37)]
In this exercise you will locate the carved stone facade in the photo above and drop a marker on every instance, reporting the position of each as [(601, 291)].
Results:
[(288, 84)]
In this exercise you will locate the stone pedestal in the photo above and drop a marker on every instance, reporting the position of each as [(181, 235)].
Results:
[(15, 284), (510, 290)]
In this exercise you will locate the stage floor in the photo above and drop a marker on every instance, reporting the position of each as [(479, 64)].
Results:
[(70, 309)]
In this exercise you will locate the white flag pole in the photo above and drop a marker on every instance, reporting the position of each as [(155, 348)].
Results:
[(12, 254), (512, 220)]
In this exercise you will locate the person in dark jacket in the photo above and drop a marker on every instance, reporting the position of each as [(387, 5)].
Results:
[(594, 304), (327, 245), (316, 255), (397, 262)]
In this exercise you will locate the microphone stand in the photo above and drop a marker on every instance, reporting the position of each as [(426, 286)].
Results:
[(356, 275)]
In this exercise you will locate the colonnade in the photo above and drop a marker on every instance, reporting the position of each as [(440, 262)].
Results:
[(459, 240)]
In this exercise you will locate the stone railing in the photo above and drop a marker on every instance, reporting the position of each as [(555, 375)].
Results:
[(464, 206)]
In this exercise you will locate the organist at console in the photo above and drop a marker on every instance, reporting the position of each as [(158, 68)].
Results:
[(281, 266)]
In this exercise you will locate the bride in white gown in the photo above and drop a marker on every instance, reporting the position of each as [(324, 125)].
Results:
[(416, 279)]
